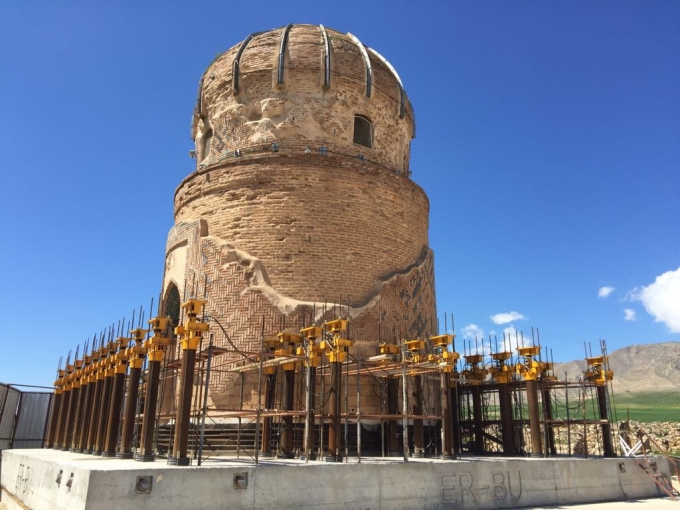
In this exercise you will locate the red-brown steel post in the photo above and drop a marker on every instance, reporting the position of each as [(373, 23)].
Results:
[(56, 409), (534, 418), (507, 427), (135, 361), (105, 401), (447, 425), (190, 336), (334, 454), (286, 432), (155, 347), (93, 425), (270, 393), (418, 434), (117, 395), (72, 405), (81, 407), (607, 442), (393, 443), (478, 418)]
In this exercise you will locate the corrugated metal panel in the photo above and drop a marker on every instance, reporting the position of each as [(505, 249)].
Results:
[(7, 414), (3, 394), (31, 420)]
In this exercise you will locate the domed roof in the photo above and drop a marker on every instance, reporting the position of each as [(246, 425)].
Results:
[(307, 62)]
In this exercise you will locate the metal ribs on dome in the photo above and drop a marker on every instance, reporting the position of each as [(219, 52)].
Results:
[(327, 62), (282, 52)]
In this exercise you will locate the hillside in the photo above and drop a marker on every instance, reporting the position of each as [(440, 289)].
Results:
[(637, 368)]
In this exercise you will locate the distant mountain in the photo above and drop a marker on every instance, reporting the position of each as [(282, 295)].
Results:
[(637, 368)]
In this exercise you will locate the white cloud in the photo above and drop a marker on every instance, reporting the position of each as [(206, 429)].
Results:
[(629, 315), (661, 299), (605, 291), (504, 318), (472, 331), (512, 338)]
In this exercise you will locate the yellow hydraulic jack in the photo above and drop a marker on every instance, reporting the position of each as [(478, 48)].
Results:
[(154, 348), (335, 348), (190, 335), (312, 352), (135, 358), (288, 343), (474, 374), (598, 373), (446, 359), (501, 373), (530, 369)]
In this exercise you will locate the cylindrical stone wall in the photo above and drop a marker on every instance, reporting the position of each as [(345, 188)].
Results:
[(289, 218)]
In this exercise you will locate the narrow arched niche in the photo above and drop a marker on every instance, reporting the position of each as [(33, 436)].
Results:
[(172, 304)]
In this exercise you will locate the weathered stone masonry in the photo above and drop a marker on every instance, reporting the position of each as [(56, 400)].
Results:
[(285, 214)]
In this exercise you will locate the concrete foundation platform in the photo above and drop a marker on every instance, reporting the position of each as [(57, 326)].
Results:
[(48, 479)]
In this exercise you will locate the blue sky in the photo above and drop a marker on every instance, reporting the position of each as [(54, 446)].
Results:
[(548, 143)]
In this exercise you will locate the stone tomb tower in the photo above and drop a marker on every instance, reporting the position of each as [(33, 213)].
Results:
[(302, 199)]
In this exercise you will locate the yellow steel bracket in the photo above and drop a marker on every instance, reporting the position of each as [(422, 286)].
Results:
[(596, 371), (287, 343), (155, 345)]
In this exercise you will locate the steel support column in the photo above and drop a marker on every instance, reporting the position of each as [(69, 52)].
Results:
[(478, 418), (149, 417), (534, 418), (447, 422), (117, 390), (182, 420), (93, 423), (104, 408), (607, 442), (507, 427), (418, 435), (130, 413), (54, 418), (270, 393), (286, 432), (393, 446), (334, 454)]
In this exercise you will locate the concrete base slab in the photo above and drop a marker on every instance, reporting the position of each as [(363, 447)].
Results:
[(48, 479)]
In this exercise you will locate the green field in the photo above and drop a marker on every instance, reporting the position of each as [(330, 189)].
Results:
[(648, 407)]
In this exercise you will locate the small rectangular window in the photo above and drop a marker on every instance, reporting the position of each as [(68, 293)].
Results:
[(363, 131)]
